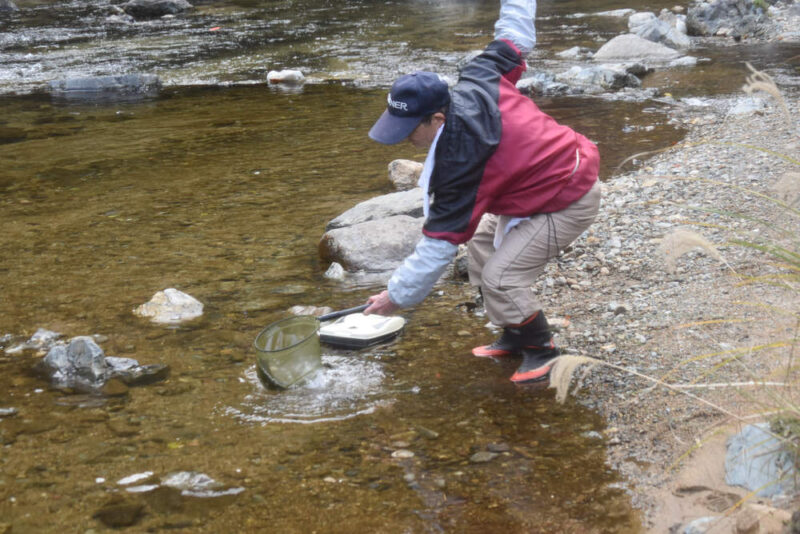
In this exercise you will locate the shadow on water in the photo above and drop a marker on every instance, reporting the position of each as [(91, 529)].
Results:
[(224, 194)]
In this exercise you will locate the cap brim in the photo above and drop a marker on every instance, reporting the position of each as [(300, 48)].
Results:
[(390, 130)]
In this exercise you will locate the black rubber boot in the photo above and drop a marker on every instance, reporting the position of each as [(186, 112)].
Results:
[(508, 343), (538, 350)]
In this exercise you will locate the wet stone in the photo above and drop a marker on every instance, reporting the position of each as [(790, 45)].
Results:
[(427, 432), (142, 375), (483, 457), (115, 388), (118, 513), (122, 429), (151, 9), (498, 447), (8, 412)]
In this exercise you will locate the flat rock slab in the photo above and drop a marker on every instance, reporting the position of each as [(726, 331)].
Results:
[(630, 47), (151, 9), (379, 245), (400, 203)]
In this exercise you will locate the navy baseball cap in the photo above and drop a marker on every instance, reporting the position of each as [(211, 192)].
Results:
[(412, 98)]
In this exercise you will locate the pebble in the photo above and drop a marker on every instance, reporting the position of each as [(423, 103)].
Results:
[(483, 457), (403, 454)]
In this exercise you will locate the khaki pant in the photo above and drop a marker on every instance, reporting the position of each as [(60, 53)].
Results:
[(506, 275)]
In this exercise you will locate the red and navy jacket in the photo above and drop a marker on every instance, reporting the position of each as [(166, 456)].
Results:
[(500, 154)]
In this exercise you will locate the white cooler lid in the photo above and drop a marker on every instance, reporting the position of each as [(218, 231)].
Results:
[(363, 328)]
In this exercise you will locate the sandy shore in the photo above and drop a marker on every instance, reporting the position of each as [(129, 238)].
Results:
[(624, 307)]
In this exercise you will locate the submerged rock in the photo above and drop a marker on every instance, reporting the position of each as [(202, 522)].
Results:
[(153, 9), (400, 203), (120, 513), (379, 245), (195, 484), (170, 307), (310, 310), (125, 86), (42, 339)]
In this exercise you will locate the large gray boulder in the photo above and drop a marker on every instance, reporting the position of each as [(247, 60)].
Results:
[(668, 29), (629, 47), (736, 18), (377, 245), (106, 87), (8, 5), (400, 203), (153, 9)]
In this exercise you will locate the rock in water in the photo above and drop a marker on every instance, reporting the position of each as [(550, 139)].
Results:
[(404, 173), (291, 77), (153, 9), (170, 307), (126, 86), (335, 272), (379, 245), (399, 203), (81, 364), (8, 5), (629, 47)]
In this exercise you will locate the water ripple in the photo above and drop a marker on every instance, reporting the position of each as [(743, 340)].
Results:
[(346, 387)]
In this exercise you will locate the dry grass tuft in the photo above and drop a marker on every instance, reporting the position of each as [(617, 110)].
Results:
[(761, 81), (563, 370), (681, 241)]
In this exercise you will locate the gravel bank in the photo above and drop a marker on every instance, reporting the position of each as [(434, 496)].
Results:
[(626, 309)]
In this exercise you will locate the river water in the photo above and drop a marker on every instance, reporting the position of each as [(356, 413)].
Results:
[(221, 187)]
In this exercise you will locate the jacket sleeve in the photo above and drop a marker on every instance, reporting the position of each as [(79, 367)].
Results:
[(516, 23), (414, 279)]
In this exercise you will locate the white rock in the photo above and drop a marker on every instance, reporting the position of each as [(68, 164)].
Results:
[(285, 76), (335, 272), (629, 47), (170, 307)]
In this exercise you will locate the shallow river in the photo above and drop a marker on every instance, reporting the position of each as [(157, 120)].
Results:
[(224, 192)]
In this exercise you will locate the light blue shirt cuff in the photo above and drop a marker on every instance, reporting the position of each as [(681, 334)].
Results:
[(516, 24), (414, 279)]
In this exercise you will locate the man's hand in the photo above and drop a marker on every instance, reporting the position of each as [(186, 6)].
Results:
[(381, 304)]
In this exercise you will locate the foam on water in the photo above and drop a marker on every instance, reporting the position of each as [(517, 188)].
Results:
[(345, 387)]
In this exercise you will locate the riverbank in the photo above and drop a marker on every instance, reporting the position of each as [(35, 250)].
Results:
[(699, 324)]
